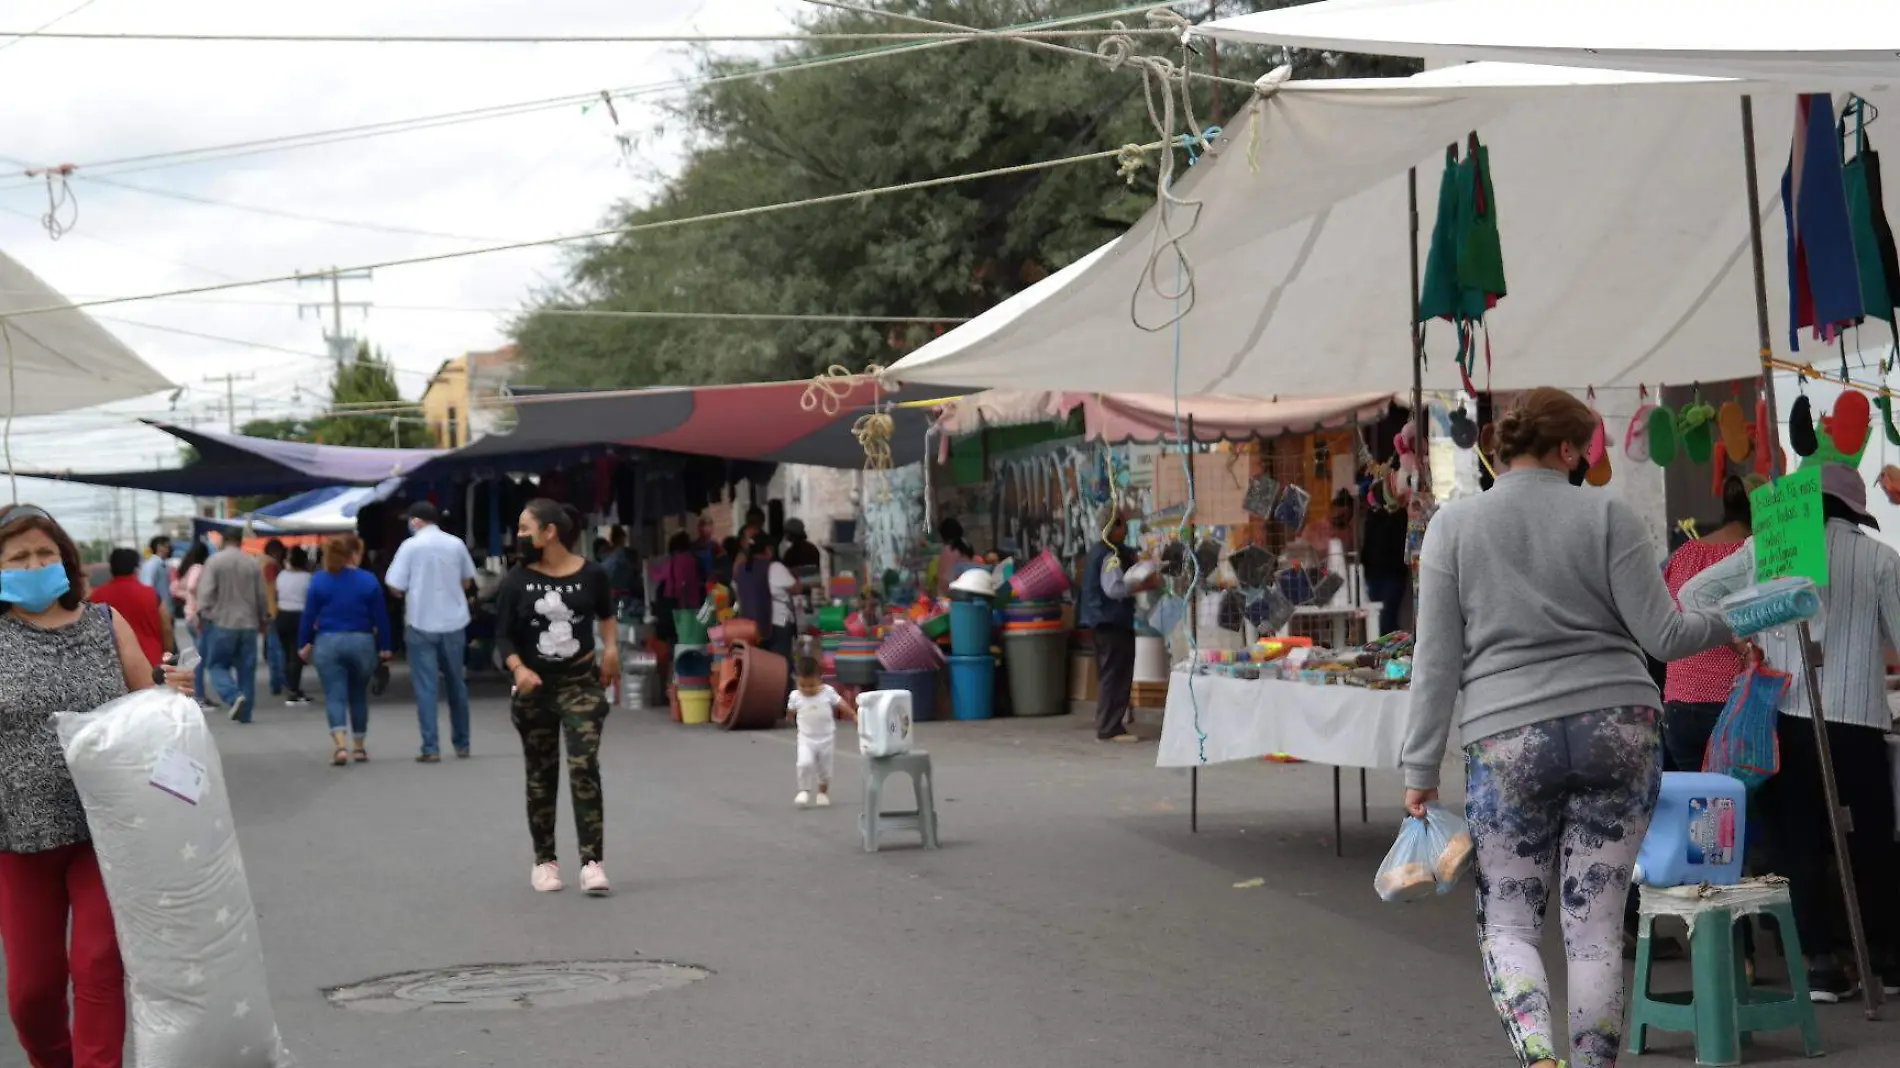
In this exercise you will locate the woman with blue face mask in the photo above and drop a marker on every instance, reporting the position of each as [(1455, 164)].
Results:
[(57, 653)]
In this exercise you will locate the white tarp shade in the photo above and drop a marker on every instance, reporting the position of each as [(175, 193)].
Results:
[(61, 360), (1814, 43), (1150, 417), (1621, 202)]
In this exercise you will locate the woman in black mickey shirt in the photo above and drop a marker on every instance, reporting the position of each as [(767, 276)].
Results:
[(547, 608)]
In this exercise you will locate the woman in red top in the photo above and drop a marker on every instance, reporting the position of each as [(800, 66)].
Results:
[(1696, 687)]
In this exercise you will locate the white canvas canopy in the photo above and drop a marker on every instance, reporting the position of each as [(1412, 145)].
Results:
[(57, 361), (1621, 202), (1814, 43)]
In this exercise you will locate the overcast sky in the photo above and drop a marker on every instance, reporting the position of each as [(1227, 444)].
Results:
[(536, 175)]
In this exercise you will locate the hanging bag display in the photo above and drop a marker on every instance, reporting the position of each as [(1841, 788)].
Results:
[(1262, 494)]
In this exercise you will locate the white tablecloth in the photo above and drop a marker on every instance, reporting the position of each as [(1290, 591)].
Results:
[(1341, 725)]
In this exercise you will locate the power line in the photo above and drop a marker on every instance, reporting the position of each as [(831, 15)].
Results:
[(49, 24), (192, 198), (622, 231), (577, 39), (317, 138)]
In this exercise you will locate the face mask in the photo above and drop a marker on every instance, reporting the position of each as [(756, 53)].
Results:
[(530, 553), (415, 526), (1580, 471), (35, 589)]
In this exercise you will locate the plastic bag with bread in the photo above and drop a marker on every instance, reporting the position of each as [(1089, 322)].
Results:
[(1429, 859)]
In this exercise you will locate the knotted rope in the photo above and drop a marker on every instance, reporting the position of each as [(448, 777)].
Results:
[(1162, 81)]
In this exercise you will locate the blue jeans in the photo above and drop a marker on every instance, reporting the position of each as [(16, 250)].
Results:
[(274, 656), (198, 643), (345, 660), (231, 665), (433, 656)]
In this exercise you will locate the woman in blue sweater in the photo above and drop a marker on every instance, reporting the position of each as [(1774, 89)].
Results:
[(345, 632)]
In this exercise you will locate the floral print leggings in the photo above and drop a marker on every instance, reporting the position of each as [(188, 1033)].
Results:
[(1558, 810)]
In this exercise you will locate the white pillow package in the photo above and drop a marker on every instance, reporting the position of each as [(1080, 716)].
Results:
[(148, 773)]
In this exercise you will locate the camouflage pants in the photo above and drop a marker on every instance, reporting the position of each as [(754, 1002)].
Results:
[(570, 701)]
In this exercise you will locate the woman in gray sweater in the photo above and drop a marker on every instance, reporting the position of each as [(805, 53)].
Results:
[(1537, 601)]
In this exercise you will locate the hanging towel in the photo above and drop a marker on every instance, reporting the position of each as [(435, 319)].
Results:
[(1823, 280)]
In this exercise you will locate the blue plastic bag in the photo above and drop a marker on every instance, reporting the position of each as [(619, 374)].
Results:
[(1744, 745), (1406, 872)]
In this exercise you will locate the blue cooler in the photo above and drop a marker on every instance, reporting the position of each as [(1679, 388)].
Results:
[(973, 686), (1698, 832)]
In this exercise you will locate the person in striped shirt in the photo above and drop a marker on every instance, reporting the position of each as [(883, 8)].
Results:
[(1859, 621)]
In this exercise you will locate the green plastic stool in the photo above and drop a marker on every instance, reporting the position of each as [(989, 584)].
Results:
[(1722, 1009)]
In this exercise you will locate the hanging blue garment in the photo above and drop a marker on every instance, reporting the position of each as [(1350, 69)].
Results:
[(1823, 277)]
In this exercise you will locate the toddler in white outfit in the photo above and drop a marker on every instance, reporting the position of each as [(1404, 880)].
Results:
[(815, 707)]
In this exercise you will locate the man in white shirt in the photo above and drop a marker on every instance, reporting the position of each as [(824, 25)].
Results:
[(432, 573)]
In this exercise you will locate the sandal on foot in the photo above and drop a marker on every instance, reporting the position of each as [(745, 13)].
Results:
[(360, 755), (340, 758)]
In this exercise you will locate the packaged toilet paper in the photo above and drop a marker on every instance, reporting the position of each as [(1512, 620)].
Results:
[(149, 776)]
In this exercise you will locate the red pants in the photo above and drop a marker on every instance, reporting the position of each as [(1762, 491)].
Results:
[(39, 894)]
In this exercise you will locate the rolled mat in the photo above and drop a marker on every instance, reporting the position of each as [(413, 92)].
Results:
[(763, 682)]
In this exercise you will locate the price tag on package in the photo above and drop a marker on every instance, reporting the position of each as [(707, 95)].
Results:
[(179, 775)]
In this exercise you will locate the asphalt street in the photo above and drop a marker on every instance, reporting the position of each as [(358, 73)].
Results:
[(1070, 921)]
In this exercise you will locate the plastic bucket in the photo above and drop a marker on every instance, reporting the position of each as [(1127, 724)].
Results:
[(922, 686), (970, 628), (691, 630), (696, 707), (972, 687), (858, 671), (1038, 672)]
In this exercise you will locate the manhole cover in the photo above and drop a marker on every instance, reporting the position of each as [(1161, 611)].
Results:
[(547, 985)]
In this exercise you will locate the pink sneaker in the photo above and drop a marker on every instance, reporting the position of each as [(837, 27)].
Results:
[(594, 880), (545, 878)]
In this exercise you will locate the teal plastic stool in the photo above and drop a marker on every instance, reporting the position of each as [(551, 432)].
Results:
[(874, 822), (1723, 1009)]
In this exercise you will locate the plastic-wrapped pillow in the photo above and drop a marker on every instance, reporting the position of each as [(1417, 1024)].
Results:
[(148, 773)]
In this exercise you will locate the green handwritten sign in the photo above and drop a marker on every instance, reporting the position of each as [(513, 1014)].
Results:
[(1790, 534)]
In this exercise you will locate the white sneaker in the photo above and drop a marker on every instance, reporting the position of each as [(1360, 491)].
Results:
[(823, 801), (594, 880), (545, 878), (803, 800)]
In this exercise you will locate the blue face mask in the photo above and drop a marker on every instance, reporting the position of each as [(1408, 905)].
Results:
[(35, 589)]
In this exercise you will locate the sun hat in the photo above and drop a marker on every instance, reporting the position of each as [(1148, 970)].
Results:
[(1845, 485), (976, 582)]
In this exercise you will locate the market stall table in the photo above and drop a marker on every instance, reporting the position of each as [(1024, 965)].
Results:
[(1251, 719)]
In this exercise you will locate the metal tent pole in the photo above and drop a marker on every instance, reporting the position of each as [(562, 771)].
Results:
[(1838, 818)]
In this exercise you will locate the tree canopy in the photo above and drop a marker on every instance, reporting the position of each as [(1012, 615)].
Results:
[(916, 113)]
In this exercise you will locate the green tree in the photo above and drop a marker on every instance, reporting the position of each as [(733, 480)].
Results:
[(946, 252), (357, 389)]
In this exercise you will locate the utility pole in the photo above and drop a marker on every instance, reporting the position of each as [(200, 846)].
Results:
[(341, 344), (230, 395)]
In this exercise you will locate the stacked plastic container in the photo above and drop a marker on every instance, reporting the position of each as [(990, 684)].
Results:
[(692, 684), (972, 666)]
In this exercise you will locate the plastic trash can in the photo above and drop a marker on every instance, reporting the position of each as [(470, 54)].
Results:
[(1038, 672), (922, 686), (970, 628), (973, 687)]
